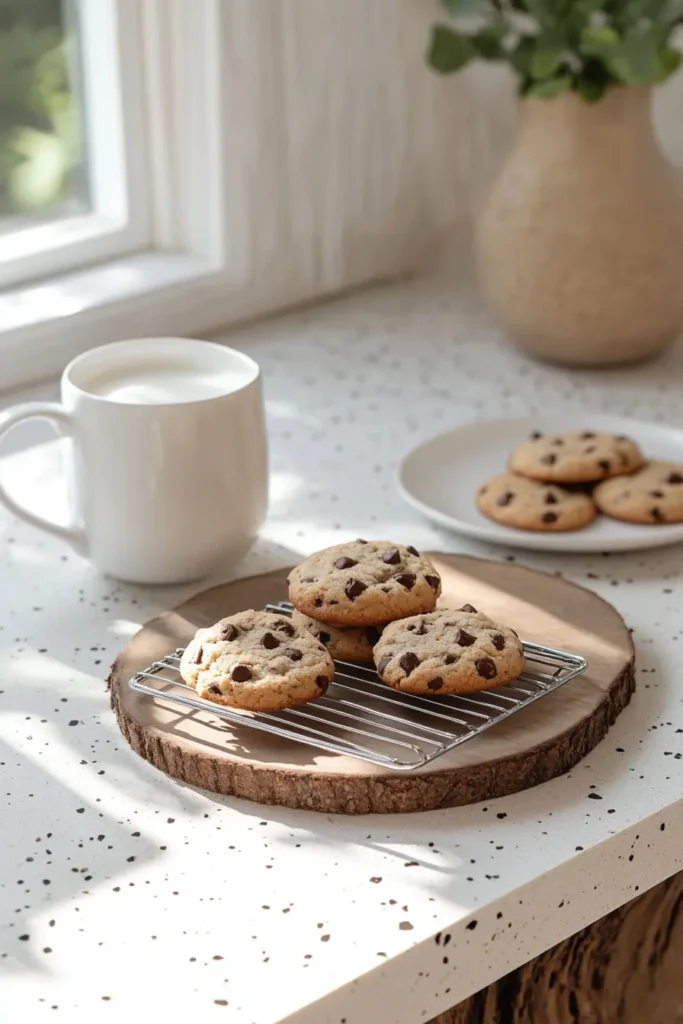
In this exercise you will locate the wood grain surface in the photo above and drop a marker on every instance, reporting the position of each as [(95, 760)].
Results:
[(623, 969), (541, 742)]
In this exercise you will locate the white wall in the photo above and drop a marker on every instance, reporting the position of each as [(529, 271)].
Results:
[(353, 158)]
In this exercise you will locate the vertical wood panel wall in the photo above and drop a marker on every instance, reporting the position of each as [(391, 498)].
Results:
[(347, 159)]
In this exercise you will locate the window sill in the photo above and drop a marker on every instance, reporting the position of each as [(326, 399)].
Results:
[(46, 324)]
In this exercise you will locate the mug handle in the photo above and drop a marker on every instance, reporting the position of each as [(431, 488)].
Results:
[(61, 421)]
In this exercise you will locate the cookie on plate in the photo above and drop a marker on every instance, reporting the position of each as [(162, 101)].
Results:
[(258, 661), (581, 456), (530, 505), (448, 652), (354, 643), (364, 583), (653, 495)]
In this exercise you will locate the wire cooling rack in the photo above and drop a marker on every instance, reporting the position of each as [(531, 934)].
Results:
[(362, 717)]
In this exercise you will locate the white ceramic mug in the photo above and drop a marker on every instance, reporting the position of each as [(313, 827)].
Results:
[(167, 473)]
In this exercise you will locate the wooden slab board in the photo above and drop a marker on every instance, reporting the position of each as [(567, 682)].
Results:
[(526, 749)]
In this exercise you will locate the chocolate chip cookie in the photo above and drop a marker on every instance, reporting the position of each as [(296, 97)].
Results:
[(258, 661), (354, 643), (364, 583), (581, 456), (653, 495), (448, 652), (530, 505)]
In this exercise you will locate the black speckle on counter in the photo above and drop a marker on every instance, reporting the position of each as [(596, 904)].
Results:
[(471, 926), (594, 796), (405, 926)]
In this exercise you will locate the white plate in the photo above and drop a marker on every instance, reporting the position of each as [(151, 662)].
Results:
[(441, 476)]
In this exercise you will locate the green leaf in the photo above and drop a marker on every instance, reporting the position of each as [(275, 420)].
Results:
[(449, 51), (669, 62), (637, 60), (488, 42), (599, 41), (551, 88), (542, 10), (592, 90), (671, 12), (465, 8), (545, 63), (521, 56)]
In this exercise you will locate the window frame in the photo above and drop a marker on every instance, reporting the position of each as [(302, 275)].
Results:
[(110, 77), (167, 269)]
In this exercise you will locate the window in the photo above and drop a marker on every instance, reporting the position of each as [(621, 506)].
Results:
[(111, 176), (71, 166)]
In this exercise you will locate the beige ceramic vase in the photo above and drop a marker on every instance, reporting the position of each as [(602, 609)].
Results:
[(580, 248)]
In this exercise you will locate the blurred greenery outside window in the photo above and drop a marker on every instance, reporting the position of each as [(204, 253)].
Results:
[(43, 167)]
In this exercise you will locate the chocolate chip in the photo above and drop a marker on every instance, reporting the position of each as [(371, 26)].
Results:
[(558, 442), (383, 662), (549, 517), (391, 557), (293, 653), (308, 579), (498, 641), (550, 498), (450, 659), (229, 632), (468, 608), (285, 627), (605, 465), (407, 580), (354, 588), (536, 434), (505, 498), (199, 656), (359, 540), (215, 689), (586, 434), (486, 668), (345, 563), (656, 494), (322, 682), (318, 602), (421, 629), (674, 478), (464, 639), (373, 634), (590, 449), (241, 673), (324, 637), (435, 684), (269, 641), (433, 582), (408, 662), (657, 515), (548, 460), (413, 550)]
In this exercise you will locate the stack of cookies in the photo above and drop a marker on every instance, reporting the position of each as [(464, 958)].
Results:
[(362, 601), (560, 482)]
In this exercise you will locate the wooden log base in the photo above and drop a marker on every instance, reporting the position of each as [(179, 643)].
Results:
[(538, 744), (623, 969)]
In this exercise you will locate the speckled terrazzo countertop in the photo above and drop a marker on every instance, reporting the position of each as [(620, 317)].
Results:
[(124, 893)]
